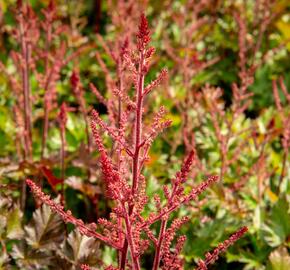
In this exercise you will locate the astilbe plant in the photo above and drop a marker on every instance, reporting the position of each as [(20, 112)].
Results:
[(194, 20), (204, 106), (224, 118), (191, 62), (128, 230), (124, 16), (40, 54)]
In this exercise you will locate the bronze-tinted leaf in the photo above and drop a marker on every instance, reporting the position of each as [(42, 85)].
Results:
[(79, 249), (45, 230)]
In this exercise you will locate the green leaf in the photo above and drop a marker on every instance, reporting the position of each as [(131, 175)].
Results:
[(277, 230), (14, 228), (251, 260), (257, 218), (279, 259)]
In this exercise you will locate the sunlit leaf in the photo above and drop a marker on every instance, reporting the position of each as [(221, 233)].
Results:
[(277, 228), (14, 228), (279, 259)]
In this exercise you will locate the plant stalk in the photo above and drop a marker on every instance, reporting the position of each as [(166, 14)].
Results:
[(25, 51), (137, 140), (157, 256)]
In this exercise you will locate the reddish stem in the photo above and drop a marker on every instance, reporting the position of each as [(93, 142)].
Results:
[(120, 254), (45, 131), (283, 171), (130, 240), (46, 110), (62, 157), (138, 124), (25, 50), (137, 139), (157, 257), (159, 244)]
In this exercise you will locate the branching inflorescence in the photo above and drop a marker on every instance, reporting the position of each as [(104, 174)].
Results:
[(40, 57), (128, 230), (212, 257)]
